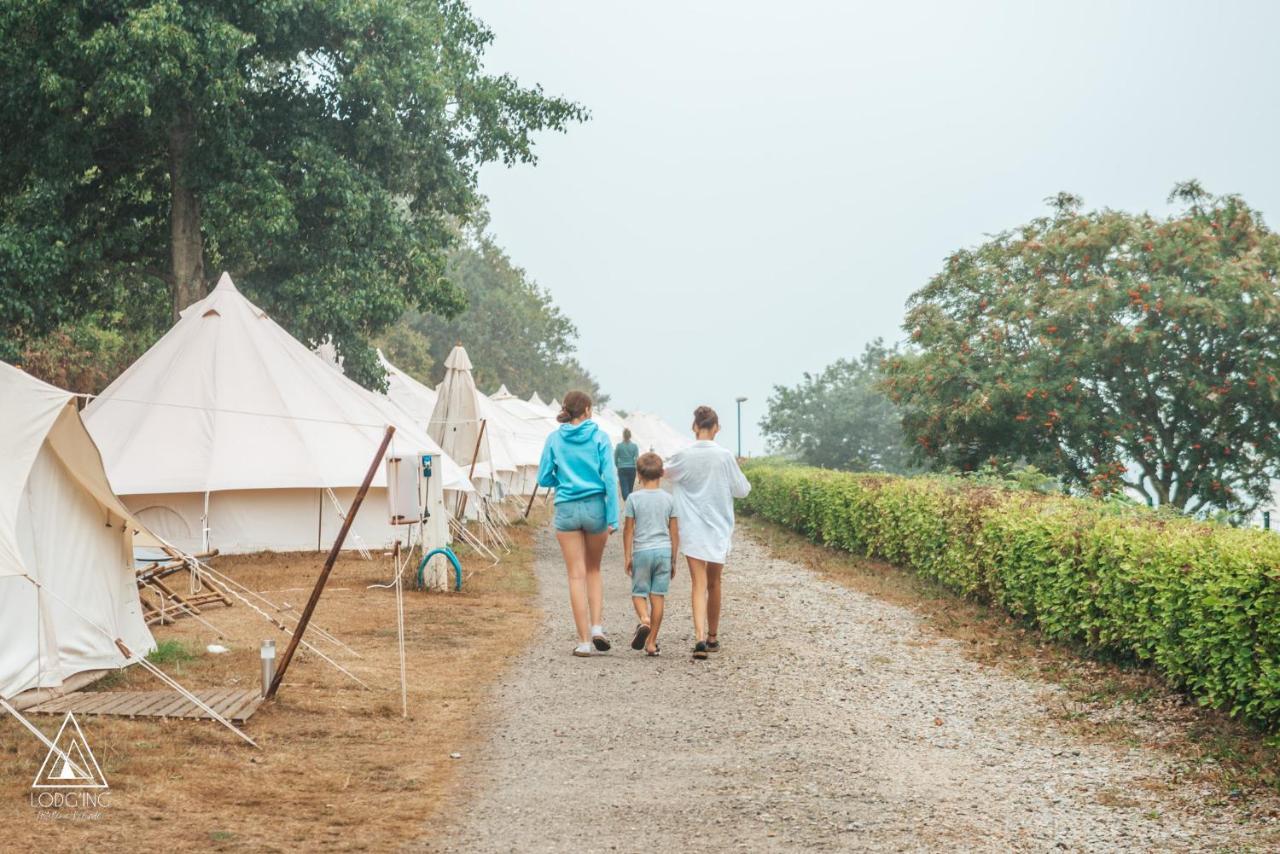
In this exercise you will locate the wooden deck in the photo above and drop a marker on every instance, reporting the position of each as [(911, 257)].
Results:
[(234, 704)]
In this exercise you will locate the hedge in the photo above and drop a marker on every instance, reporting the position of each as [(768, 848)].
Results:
[(1199, 602)]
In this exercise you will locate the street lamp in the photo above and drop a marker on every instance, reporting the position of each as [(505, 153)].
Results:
[(740, 401)]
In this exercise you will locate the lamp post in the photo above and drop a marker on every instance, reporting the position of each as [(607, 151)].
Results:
[(740, 401)]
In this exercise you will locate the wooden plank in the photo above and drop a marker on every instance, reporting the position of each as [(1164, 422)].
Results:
[(53, 705), (152, 700), (174, 708), (232, 703), (155, 582), (91, 702), (247, 705), (137, 700), (119, 700), (212, 699), (245, 713), (232, 699)]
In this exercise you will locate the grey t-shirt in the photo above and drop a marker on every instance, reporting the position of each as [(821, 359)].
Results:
[(652, 509)]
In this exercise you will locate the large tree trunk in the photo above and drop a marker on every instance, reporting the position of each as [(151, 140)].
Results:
[(186, 244)]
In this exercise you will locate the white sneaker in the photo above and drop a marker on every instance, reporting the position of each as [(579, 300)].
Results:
[(584, 650)]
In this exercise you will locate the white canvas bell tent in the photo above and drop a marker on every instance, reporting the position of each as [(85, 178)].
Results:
[(511, 437), (535, 418), (455, 424), (523, 442), (231, 434), (67, 583), (538, 404), (652, 433), (417, 399), (609, 423)]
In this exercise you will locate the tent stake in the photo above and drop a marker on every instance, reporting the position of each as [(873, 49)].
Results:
[(329, 562)]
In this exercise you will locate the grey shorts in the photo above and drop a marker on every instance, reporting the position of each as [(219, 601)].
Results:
[(583, 514), (651, 572)]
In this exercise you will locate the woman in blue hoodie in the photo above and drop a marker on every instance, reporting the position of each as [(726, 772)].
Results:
[(577, 462)]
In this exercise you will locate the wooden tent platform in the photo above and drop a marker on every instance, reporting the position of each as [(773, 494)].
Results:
[(234, 704)]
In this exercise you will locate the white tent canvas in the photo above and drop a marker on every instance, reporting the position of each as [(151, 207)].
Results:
[(63, 529), (511, 439), (506, 453), (231, 434), (652, 433), (536, 417)]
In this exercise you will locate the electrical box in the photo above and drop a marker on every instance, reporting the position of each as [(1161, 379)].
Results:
[(404, 496)]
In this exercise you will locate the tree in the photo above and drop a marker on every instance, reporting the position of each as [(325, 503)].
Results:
[(839, 418), (512, 330), (1111, 349), (321, 151)]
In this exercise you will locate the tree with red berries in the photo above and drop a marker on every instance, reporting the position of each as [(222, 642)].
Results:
[(1111, 349)]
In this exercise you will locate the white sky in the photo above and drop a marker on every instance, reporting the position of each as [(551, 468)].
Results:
[(762, 185)]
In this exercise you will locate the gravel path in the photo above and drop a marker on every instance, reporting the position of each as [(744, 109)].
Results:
[(832, 721)]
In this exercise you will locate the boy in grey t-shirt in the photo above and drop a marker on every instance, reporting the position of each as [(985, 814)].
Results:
[(650, 540)]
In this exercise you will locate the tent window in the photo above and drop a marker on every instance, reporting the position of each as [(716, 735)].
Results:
[(213, 312)]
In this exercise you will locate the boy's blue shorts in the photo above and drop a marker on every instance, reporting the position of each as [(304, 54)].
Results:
[(651, 572), (582, 514)]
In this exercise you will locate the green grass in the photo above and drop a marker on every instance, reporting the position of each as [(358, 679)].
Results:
[(170, 652)]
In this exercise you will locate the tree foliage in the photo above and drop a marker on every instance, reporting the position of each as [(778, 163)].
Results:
[(512, 330), (839, 418), (1110, 349), (320, 151)]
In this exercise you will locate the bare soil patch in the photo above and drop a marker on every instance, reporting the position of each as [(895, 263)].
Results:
[(340, 768)]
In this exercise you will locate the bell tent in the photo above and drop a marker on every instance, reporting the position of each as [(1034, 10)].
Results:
[(231, 434), (67, 583)]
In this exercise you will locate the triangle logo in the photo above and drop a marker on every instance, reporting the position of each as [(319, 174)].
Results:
[(70, 763)]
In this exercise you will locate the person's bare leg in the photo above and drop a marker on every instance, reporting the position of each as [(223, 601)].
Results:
[(641, 605), (656, 607), (698, 596), (715, 573), (573, 547), (595, 544)]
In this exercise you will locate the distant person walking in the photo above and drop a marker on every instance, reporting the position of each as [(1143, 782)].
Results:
[(577, 462), (707, 479), (624, 457)]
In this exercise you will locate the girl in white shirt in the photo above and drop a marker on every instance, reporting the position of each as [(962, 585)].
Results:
[(706, 479)]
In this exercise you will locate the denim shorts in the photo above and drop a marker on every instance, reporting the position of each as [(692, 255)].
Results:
[(583, 514), (651, 572)]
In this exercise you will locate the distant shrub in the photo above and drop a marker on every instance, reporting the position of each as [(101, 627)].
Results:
[(1199, 602)]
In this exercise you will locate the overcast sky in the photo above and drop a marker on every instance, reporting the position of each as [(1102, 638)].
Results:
[(762, 185)]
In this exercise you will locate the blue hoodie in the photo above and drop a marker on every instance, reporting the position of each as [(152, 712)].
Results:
[(577, 462)]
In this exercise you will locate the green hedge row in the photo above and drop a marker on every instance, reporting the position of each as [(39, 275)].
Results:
[(1199, 602)]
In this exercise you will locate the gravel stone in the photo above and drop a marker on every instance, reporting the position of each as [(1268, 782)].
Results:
[(831, 721)]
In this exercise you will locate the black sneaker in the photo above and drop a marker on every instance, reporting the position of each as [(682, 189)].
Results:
[(713, 646), (700, 650)]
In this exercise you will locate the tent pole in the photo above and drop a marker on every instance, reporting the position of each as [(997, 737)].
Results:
[(532, 496), (471, 473), (404, 682), (329, 562)]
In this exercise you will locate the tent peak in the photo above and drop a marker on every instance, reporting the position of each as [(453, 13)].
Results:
[(224, 281), (458, 359)]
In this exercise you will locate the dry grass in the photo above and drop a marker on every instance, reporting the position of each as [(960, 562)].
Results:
[(1107, 702), (339, 767)]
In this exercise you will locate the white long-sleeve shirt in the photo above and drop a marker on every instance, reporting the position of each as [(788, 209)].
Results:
[(706, 479)]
